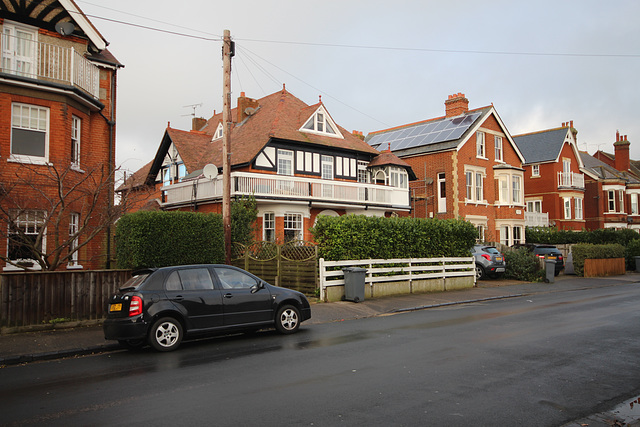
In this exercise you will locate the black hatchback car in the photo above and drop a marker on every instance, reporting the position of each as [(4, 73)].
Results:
[(549, 251), (162, 306)]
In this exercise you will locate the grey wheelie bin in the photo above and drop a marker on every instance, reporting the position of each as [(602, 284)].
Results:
[(354, 283)]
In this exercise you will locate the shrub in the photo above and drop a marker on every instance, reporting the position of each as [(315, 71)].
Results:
[(158, 239), (633, 249), (523, 265), (244, 212), (581, 252), (600, 236), (362, 237)]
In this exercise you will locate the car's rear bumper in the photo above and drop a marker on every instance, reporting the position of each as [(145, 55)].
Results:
[(124, 328)]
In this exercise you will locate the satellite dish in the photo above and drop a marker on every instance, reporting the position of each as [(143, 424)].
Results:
[(210, 171), (65, 28)]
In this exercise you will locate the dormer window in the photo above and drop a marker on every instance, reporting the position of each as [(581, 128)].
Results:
[(219, 131), (321, 123)]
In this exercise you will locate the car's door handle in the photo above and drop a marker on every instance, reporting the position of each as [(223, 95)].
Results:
[(228, 295), (177, 298)]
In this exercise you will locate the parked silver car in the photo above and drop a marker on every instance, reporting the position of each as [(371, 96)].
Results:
[(489, 261)]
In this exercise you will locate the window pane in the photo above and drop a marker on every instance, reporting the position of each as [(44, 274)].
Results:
[(28, 143), (196, 278)]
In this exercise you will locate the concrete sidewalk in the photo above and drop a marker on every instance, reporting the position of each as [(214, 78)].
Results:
[(57, 343)]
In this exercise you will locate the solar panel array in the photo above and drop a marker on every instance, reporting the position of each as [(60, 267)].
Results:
[(424, 134)]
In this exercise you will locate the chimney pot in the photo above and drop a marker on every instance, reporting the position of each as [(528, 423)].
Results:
[(571, 123)]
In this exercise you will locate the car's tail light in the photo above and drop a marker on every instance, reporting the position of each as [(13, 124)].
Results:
[(487, 257), (135, 307), (559, 256), (540, 256)]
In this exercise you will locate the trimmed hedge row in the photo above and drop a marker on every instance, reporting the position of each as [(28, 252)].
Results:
[(158, 239), (581, 252), (363, 237), (600, 236)]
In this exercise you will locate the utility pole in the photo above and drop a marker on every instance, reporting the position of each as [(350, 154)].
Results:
[(228, 49)]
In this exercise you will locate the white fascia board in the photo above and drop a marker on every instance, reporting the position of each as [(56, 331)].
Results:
[(87, 27)]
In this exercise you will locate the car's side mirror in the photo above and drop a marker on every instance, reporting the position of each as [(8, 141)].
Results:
[(255, 288)]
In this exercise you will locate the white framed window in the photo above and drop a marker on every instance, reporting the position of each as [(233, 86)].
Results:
[(75, 141), (505, 235), (611, 200), (321, 123), (515, 186), (29, 133), (480, 237), (442, 193), (292, 226), (498, 148), (534, 206), (219, 132), (480, 146), (327, 167), (578, 208), (285, 162), (567, 208), (398, 177), (634, 204), (22, 240), (269, 227), (510, 188), (535, 170), (517, 234), (363, 174), (621, 201), (19, 49), (474, 183), (74, 226)]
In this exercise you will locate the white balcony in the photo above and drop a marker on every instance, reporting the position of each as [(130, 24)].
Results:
[(536, 219), (570, 180), (44, 61), (287, 187)]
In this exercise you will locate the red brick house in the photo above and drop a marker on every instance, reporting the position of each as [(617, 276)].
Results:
[(293, 157), (613, 183), (554, 185), (57, 144), (467, 166)]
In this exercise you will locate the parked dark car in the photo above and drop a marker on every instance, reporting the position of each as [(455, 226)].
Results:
[(162, 306), (489, 261), (549, 251)]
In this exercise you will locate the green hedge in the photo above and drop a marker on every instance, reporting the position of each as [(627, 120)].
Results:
[(523, 265), (600, 236), (581, 252), (363, 237), (158, 239)]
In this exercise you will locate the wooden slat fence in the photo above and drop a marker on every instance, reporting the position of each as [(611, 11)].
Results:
[(293, 265), (40, 297)]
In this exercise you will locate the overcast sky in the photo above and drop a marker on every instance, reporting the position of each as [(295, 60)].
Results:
[(378, 64)]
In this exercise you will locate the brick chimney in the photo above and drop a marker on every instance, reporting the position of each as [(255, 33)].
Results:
[(246, 107), (621, 147), (456, 104), (197, 123)]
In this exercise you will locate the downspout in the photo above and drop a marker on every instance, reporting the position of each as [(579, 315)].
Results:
[(112, 124)]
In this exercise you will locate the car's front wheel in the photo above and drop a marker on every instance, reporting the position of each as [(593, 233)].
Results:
[(479, 272), (166, 334), (287, 319)]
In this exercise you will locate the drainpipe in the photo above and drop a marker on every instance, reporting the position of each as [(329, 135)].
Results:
[(111, 123)]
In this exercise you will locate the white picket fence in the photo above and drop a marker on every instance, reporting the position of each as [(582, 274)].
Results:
[(395, 270)]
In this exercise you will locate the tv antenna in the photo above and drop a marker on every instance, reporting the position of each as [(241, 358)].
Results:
[(194, 106)]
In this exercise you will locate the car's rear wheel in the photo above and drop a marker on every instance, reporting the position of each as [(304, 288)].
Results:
[(132, 345), (166, 334), (479, 272), (287, 319)]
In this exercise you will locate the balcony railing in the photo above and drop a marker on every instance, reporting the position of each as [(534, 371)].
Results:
[(44, 61), (536, 219), (289, 187), (570, 180)]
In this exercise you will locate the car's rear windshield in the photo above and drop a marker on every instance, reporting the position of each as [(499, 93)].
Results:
[(491, 250), (134, 282), (546, 250)]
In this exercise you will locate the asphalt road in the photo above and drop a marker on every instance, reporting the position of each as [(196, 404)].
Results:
[(540, 360)]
